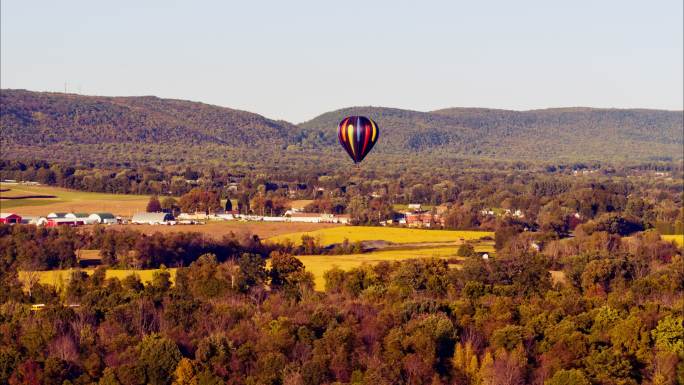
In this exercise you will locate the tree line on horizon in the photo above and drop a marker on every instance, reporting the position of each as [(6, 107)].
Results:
[(553, 199)]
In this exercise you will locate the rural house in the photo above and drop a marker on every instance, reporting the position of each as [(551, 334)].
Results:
[(424, 219), (152, 218), (10, 218)]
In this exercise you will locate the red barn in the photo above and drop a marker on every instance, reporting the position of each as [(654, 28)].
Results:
[(10, 218), (54, 222)]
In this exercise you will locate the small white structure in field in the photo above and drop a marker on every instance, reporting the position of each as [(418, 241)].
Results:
[(104, 218), (274, 219), (485, 256)]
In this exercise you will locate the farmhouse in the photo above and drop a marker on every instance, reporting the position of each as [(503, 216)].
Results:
[(415, 207), (424, 219), (152, 218), (10, 218), (104, 218)]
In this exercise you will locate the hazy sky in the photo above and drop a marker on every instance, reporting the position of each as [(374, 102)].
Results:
[(296, 59)]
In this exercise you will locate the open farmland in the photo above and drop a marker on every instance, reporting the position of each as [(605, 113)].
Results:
[(59, 278), (319, 264), (41, 200), (389, 234), (678, 238)]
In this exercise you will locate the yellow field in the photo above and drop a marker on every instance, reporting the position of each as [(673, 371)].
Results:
[(678, 238), (319, 264), (59, 278), (68, 201), (390, 234)]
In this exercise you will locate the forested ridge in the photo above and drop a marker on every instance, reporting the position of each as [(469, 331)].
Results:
[(150, 130)]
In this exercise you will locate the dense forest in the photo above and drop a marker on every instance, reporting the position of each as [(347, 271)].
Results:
[(616, 318), (140, 131)]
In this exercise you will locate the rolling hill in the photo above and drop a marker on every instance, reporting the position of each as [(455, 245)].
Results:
[(551, 134), (150, 130)]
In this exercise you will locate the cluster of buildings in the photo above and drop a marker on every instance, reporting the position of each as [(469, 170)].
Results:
[(60, 219), (191, 218), (163, 218), (515, 213), (419, 217)]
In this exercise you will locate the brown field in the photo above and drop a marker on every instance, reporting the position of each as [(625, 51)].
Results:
[(123, 208), (218, 229), (300, 203)]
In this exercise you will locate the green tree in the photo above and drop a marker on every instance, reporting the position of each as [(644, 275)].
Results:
[(282, 267), (159, 356), (466, 250), (252, 271), (669, 334), (568, 377)]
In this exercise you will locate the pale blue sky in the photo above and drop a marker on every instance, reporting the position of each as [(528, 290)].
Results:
[(296, 59)]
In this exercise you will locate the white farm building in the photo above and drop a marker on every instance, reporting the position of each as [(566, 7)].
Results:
[(152, 218)]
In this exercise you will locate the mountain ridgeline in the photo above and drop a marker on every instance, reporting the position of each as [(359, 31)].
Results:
[(150, 130)]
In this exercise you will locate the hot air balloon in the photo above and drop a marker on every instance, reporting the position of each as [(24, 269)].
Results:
[(357, 134)]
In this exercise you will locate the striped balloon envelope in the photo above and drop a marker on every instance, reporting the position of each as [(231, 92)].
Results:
[(357, 134)]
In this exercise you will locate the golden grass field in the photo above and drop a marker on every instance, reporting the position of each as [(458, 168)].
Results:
[(319, 264), (390, 234), (678, 238), (59, 278), (68, 201)]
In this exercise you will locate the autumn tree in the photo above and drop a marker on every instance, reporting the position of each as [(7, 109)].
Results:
[(153, 205)]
